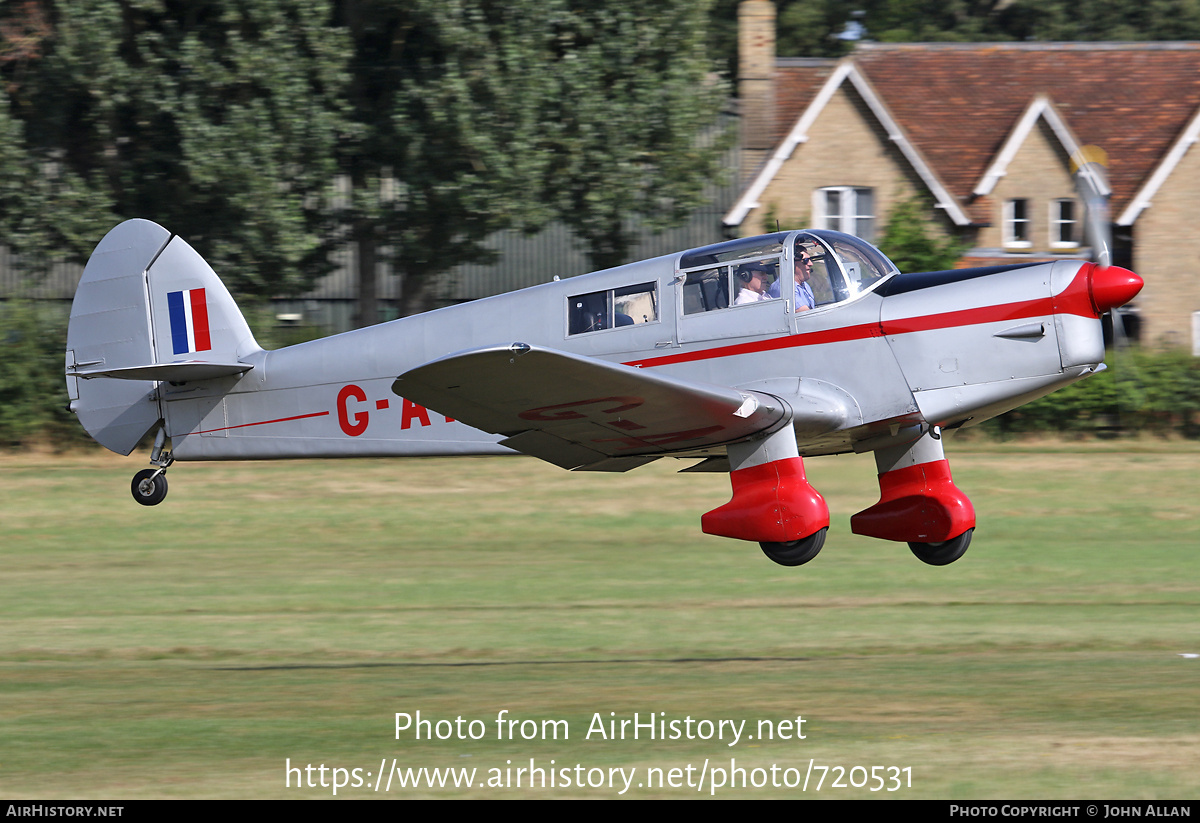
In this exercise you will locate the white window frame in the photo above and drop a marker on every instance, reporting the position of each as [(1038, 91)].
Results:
[(1057, 222), (1017, 230), (851, 217)]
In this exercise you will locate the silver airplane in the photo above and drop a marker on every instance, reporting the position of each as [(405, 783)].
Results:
[(747, 355)]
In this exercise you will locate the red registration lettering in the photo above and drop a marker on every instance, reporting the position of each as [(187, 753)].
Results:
[(413, 411), (358, 424)]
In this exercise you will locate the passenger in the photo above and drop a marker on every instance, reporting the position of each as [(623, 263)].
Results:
[(754, 284), (803, 271)]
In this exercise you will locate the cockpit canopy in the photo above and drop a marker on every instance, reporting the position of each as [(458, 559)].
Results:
[(843, 266), (740, 272)]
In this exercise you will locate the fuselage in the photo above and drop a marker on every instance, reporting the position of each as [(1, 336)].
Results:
[(945, 349)]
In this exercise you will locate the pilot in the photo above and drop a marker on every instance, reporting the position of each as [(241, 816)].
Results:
[(754, 284), (803, 271)]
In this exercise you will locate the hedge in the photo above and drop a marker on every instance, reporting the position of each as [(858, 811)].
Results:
[(1156, 392), (33, 389)]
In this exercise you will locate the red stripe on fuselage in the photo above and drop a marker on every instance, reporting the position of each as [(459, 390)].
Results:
[(905, 325), (970, 317), (263, 422), (813, 338)]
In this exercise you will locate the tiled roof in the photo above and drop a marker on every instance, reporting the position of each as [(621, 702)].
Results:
[(958, 103), (797, 81)]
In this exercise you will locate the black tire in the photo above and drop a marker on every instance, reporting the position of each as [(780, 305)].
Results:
[(148, 489), (944, 553), (796, 552)]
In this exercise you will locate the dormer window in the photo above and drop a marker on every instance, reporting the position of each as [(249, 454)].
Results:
[(847, 209), (1016, 224), (1063, 224)]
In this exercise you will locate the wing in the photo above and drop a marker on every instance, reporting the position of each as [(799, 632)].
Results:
[(578, 412)]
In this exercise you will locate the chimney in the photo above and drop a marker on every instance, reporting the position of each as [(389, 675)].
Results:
[(756, 88)]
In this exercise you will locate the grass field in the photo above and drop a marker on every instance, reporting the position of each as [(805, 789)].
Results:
[(280, 613)]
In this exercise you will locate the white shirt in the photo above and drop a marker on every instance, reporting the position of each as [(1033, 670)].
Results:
[(749, 296)]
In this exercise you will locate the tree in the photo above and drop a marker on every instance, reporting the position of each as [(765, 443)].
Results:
[(442, 121), (214, 117), (448, 99), (635, 134), (47, 210), (907, 242), (478, 115)]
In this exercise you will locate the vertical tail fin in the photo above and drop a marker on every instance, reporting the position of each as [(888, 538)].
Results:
[(192, 314), (148, 308)]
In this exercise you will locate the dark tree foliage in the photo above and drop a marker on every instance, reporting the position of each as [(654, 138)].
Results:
[(636, 136), (267, 133), (213, 117), (48, 210), (477, 116), (446, 99)]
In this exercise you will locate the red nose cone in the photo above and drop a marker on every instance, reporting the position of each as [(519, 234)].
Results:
[(1113, 287)]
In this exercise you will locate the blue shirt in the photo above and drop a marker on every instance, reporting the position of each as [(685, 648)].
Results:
[(804, 294)]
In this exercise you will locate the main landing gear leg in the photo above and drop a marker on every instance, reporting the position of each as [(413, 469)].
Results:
[(149, 486), (919, 503), (773, 503)]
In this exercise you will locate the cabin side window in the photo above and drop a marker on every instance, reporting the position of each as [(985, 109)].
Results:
[(612, 308), (706, 290), (733, 284), (732, 273)]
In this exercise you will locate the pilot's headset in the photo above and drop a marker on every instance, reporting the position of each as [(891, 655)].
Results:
[(746, 272)]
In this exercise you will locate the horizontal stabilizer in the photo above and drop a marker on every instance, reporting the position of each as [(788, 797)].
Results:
[(180, 372), (579, 412)]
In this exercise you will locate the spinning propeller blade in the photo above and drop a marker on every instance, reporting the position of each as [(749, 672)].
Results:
[(1113, 287), (1091, 182)]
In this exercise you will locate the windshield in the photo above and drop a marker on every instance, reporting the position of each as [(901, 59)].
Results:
[(843, 265)]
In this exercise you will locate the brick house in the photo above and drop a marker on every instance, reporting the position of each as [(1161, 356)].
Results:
[(983, 133)]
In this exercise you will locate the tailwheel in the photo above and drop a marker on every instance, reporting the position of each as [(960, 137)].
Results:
[(149, 486), (796, 552), (944, 553)]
